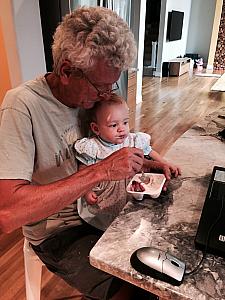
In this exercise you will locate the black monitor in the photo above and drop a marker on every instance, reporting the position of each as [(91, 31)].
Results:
[(175, 25), (210, 236)]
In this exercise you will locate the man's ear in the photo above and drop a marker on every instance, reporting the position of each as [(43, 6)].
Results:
[(94, 128), (65, 72)]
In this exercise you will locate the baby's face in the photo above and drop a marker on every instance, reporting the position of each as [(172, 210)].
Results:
[(113, 123)]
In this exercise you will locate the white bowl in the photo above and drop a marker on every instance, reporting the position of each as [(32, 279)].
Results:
[(153, 188)]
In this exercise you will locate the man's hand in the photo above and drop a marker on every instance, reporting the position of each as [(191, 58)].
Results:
[(124, 163), (91, 197)]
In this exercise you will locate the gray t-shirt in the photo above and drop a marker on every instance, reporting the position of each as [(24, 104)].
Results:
[(37, 133)]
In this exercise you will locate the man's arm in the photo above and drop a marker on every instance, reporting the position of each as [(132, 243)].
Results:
[(23, 203)]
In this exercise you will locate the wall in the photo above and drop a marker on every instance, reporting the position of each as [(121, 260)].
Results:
[(219, 61), (169, 50), (162, 32), (137, 25), (135, 19), (215, 30), (4, 70), (140, 50), (29, 38), (200, 27), (10, 65)]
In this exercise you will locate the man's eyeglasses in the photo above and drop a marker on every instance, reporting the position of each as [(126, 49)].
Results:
[(101, 93)]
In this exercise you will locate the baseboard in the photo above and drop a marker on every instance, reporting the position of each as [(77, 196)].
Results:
[(158, 74), (209, 67)]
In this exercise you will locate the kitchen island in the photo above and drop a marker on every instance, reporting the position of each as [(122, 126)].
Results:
[(170, 222)]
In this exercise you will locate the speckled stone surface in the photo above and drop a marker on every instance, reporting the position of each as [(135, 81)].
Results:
[(170, 222)]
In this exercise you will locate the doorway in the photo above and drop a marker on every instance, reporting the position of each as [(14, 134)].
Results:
[(151, 36)]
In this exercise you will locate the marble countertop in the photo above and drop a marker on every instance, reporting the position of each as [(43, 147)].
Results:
[(170, 222)]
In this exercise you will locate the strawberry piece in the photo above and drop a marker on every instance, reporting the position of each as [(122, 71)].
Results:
[(137, 186)]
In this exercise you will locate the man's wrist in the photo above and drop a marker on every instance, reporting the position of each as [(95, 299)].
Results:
[(100, 171)]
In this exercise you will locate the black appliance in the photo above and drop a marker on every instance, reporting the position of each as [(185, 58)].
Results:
[(210, 236)]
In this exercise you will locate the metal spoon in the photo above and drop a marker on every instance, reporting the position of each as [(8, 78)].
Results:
[(144, 178)]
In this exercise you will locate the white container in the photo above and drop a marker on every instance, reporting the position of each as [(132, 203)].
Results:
[(153, 188)]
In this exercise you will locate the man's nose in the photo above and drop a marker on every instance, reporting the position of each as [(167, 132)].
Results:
[(105, 96)]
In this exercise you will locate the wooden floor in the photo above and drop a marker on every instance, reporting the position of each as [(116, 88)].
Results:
[(170, 107)]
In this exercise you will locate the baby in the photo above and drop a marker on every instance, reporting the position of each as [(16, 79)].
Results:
[(110, 126)]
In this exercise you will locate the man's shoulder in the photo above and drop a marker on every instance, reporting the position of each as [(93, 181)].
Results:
[(25, 93)]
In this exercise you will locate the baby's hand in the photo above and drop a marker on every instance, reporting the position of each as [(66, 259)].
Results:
[(175, 170), (91, 197)]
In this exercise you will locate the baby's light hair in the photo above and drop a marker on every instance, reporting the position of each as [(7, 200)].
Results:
[(91, 32), (113, 100)]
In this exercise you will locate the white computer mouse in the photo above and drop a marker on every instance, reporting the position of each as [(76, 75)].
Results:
[(158, 264)]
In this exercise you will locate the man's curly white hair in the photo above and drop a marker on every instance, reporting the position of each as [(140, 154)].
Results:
[(93, 32)]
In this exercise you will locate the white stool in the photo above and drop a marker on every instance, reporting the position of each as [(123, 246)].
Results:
[(33, 271)]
